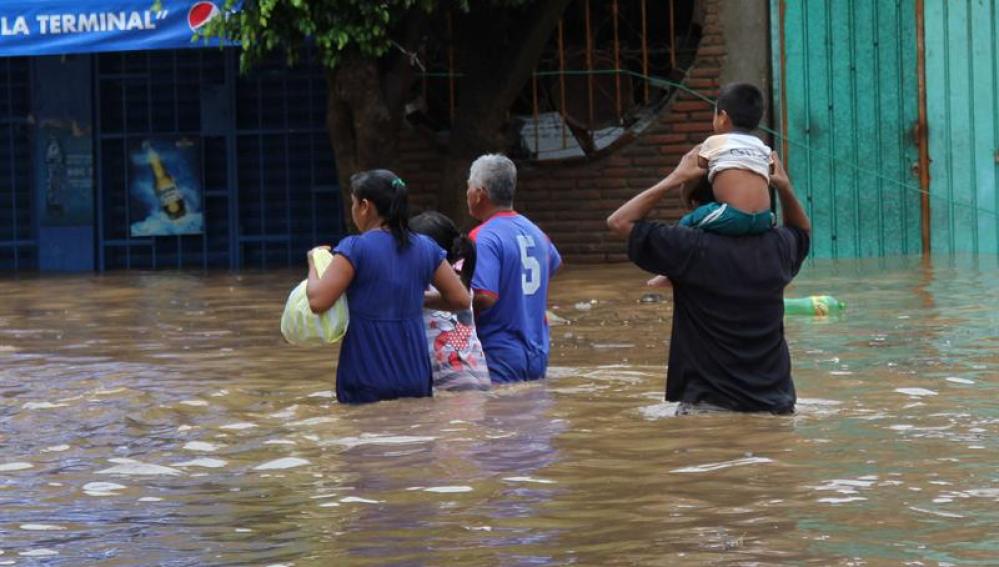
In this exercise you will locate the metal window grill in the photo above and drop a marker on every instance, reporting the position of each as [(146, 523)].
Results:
[(269, 184), (18, 243), (288, 193), (604, 74)]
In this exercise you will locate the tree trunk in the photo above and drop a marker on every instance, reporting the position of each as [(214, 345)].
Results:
[(341, 133), (362, 124), (496, 60), (451, 192)]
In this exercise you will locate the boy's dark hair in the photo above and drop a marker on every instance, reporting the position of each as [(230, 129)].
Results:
[(743, 103)]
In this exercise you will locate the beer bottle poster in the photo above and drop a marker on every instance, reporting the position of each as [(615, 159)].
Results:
[(166, 187)]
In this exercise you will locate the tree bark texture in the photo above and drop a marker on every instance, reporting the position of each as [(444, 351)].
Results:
[(497, 50), (363, 129)]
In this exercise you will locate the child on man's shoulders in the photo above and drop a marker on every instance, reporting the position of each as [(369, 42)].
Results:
[(737, 199)]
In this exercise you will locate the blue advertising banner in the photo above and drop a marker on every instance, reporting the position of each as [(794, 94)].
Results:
[(57, 27)]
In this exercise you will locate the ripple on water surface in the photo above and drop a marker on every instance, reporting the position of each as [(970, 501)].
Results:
[(170, 424)]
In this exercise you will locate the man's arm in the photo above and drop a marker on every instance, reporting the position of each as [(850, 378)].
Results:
[(483, 301), (486, 279), (623, 220), (794, 213)]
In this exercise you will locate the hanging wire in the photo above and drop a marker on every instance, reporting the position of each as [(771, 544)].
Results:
[(666, 83)]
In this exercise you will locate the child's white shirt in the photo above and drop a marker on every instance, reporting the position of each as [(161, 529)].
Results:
[(736, 151)]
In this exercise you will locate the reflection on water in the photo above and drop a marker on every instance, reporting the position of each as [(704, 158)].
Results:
[(158, 419)]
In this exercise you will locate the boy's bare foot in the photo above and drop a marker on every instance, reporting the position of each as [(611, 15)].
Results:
[(659, 281)]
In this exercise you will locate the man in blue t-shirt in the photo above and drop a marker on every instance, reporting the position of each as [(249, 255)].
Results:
[(514, 263)]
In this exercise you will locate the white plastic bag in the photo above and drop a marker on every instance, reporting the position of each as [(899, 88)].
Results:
[(300, 326)]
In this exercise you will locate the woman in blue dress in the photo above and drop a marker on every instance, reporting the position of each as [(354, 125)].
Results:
[(384, 272)]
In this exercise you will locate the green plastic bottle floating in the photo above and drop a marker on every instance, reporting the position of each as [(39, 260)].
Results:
[(818, 305)]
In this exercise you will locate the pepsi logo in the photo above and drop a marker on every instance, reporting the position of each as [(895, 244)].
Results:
[(200, 14)]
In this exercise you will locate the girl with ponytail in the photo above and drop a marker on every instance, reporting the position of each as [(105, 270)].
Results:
[(384, 271), (455, 351)]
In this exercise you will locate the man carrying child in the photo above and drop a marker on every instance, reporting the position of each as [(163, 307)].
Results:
[(728, 266)]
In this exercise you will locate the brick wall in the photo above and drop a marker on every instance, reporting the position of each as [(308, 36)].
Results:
[(571, 200)]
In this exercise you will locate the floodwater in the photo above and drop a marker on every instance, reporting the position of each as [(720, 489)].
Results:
[(158, 419)]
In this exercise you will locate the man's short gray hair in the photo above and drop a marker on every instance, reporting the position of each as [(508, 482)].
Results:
[(497, 174)]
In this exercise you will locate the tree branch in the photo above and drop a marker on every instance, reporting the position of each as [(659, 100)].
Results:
[(400, 73), (500, 65)]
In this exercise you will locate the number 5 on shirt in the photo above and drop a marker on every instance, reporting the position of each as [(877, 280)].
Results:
[(530, 279)]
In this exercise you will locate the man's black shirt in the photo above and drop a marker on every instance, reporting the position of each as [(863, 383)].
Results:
[(727, 346)]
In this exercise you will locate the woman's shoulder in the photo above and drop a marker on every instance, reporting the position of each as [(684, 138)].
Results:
[(360, 245), (371, 238), (347, 243), (380, 240), (349, 239)]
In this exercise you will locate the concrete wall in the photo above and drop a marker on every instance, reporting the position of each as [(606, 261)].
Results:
[(746, 25)]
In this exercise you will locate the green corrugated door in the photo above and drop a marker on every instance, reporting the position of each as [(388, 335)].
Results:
[(962, 104), (847, 101)]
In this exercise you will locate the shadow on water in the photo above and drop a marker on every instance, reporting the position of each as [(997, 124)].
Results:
[(158, 419)]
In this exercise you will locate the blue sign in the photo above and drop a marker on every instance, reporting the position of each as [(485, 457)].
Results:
[(56, 27)]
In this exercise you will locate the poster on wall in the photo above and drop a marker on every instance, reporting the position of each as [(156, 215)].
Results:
[(166, 187), (65, 173)]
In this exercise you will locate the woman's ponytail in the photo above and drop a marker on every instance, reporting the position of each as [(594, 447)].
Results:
[(397, 218)]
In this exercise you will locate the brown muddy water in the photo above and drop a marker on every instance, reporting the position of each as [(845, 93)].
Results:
[(158, 419)]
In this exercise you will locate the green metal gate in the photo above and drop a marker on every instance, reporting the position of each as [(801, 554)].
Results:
[(846, 85), (962, 103)]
